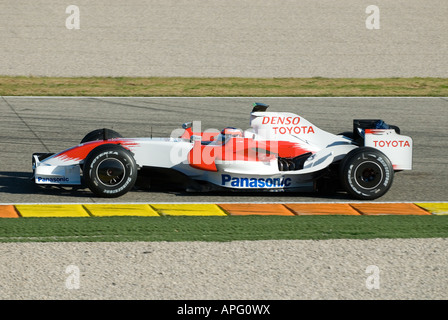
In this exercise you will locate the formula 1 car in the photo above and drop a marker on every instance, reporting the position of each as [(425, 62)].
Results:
[(280, 151)]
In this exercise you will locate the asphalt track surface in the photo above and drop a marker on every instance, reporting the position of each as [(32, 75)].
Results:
[(52, 124)]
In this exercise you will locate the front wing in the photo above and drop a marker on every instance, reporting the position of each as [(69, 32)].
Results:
[(59, 175)]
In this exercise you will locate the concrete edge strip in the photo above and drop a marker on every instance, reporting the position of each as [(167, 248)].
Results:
[(221, 209)]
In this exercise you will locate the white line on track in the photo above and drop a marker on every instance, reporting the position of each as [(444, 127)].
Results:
[(216, 202)]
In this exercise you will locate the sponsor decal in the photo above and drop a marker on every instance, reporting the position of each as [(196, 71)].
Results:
[(281, 120), (391, 143), (53, 180), (296, 130), (244, 182), (290, 125)]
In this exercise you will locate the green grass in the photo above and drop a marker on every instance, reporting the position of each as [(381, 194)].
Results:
[(228, 228), (220, 87)]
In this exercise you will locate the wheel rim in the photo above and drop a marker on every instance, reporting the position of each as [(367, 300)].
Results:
[(110, 172), (368, 175)]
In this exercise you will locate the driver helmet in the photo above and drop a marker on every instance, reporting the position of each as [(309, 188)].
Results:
[(232, 132)]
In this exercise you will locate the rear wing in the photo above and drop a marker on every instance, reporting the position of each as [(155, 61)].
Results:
[(378, 134), (396, 147)]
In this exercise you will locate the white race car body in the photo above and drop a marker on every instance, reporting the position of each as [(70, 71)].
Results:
[(281, 151)]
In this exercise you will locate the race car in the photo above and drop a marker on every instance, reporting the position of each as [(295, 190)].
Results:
[(281, 151)]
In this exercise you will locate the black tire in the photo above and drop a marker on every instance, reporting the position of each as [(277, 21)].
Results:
[(366, 173), (101, 134), (110, 171)]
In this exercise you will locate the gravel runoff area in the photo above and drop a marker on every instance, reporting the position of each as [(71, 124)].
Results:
[(232, 38), (404, 269)]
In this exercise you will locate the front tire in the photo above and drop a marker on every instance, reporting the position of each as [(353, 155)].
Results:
[(110, 171), (101, 134), (366, 173)]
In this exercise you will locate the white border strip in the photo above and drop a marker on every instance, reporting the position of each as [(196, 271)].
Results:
[(226, 97)]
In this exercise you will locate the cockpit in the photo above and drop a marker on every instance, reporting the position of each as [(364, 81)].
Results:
[(226, 134)]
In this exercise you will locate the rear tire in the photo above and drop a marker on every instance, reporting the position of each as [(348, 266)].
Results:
[(366, 173), (110, 171)]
